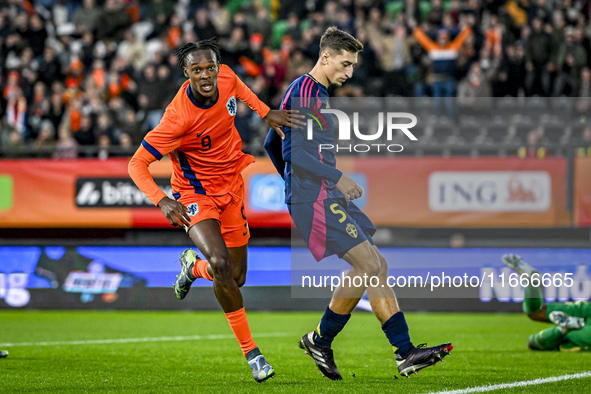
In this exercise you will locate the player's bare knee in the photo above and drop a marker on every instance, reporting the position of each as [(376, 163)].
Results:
[(364, 259), (372, 267), (240, 279), (221, 267)]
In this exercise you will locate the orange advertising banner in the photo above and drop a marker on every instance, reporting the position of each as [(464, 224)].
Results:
[(582, 215), (466, 192), (93, 193), (416, 192)]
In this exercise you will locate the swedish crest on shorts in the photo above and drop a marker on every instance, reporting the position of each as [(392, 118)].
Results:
[(352, 230), (231, 106)]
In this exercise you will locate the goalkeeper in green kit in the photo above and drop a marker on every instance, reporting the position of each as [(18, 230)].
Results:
[(572, 320)]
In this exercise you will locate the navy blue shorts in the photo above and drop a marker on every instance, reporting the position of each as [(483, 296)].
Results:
[(331, 226)]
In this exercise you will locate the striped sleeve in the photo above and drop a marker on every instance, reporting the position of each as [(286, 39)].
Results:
[(166, 137), (138, 171)]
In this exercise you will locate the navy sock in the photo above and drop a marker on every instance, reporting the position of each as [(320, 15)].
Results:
[(253, 353), (330, 325), (396, 330)]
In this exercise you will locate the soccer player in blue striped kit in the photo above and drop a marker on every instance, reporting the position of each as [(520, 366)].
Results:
[(319, 198)]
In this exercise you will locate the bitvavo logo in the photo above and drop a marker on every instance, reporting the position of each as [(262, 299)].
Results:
[(344, 133)]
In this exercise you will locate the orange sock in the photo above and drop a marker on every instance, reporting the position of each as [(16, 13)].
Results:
[(239, 324), (199, 270)]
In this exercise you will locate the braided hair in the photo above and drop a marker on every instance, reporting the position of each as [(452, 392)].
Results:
[(185, 50)]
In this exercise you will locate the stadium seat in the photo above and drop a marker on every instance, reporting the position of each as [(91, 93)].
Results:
[(397, 104), (522, 126), (534, 106), (423, 107), (555, 129), (507, 106), (471, 129), (497, 130), (561, 107), (444, 130)]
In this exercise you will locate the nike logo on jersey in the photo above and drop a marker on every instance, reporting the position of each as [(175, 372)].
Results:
[(200, 134)]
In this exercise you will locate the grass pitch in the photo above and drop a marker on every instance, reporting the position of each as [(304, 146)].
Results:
[(172, 352)]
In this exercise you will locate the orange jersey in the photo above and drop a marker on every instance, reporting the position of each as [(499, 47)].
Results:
[(203, 143)]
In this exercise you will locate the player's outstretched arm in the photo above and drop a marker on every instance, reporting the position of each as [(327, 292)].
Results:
[(274, 118), (284, 118)]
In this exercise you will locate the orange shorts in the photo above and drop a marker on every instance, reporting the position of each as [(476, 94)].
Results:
[(228, 210)]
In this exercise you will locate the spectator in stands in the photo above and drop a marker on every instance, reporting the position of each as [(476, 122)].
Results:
[(393, 49), (87, 18), (234, 47), (584, 88), (204, 27), (543, 46), (50, 68), (16, 112), (104, 143), (133, 50), (46, 136), (85, 134), (242, 121), (132, 127), (494, 34), (571, 58), (293, 26), (56, 109), (368, 73), (104, 126), (443, 54), (412, 13), (533, 148), (583, 143), (36, 35), (39, 108), (220, 19), (126, 143), (475, 84), (260, 23), (538, 53), (510, 78), (66, 146), (149, 102), (86, 51), (113, 20)]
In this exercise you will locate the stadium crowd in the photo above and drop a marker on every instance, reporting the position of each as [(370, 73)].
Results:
[(91, 77)]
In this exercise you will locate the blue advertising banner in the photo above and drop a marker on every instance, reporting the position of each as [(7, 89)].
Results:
[(121, 275)]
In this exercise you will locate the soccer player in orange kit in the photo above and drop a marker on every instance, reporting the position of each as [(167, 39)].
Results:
[(198, 132)]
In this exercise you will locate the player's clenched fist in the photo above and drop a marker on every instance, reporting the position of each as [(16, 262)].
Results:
[(175, 212), (350, 189)]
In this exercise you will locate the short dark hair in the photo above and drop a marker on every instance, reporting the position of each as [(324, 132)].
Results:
[(184, 50), (335, 40)]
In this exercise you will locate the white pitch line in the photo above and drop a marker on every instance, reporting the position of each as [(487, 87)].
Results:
[(523, 383), (138, 340)]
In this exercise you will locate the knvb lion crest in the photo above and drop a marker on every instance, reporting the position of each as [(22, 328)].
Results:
[(193, 209), (352, 230), (231, 105)]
